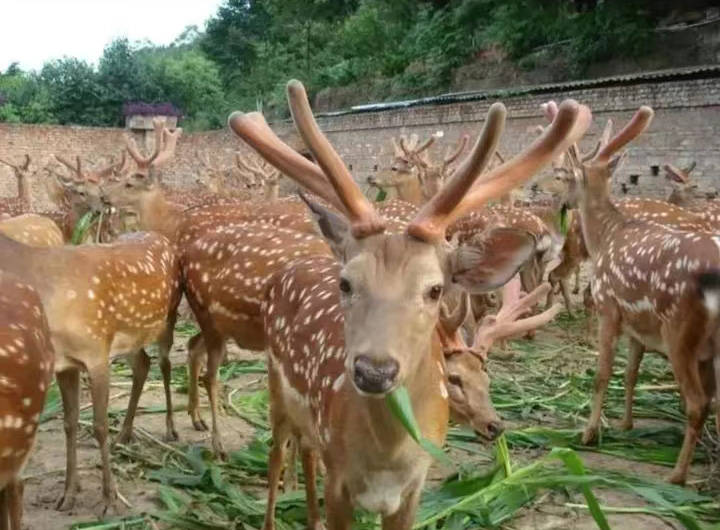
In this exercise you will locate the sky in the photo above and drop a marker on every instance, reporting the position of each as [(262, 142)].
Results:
[(34, 31)]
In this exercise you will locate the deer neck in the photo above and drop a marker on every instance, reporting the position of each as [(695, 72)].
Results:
[(22, 187), (600, 218), (157, 214), (411, 191)]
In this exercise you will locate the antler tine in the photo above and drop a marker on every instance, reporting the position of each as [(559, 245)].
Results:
[(7, 163), (432, 220), (396, 147), (451, 156), (255, 131), (132, 148), (637, 124), (673, 173), (686, 170), (168, 145), (570, 124), (406, 149), (26, 164), (425, 145), (508, 322), (363, 218)]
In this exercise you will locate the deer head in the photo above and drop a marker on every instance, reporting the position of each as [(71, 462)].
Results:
[(391, 284), (213, 177), (82, 186), (259, 175), (432, 174), (467, 376), (684, 191), (129, 187)]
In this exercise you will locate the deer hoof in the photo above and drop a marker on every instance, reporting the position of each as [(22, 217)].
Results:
[(171, 436), (124, 438), (590, 435), (66, 502), (200, 425), (626, 425), (677, 477)]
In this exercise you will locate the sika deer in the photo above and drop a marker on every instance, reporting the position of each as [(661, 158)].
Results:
[(468, 383), (225, 272), (659, 285), (21, 203), (26, 365), (326, 376), (404, 171), (101, 301), (260, 176)]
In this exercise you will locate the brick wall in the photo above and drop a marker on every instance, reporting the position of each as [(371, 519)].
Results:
[(686, 128)]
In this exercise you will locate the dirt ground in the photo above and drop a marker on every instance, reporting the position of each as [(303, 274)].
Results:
[(45, 470)]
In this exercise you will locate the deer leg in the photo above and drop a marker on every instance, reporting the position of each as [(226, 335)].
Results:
[(215, 352), (14, 499), (694, 388), (565, 290), (281, 434), (4, 509), (576, 289), (99, 390), (309, 463), (609, 331), (551, 293), (140, 366), (290, 480), (338, 509), (196, 350), (404, 518), (164, 346), (69, 383), (636, 351)]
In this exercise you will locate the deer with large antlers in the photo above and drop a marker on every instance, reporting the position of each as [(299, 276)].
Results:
[(101, 301), (26, 365), (659, 285), (470, 404), (258, 176), (326, 375)]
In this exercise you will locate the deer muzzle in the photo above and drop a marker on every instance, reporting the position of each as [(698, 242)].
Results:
[(375, 376)]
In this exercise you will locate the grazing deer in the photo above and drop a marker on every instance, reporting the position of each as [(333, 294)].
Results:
[(326, 376), (101, 301), (659, 285), (468, 383), (32, 229), (26, 365)]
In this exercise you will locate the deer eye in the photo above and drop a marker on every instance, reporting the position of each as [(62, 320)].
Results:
[(435, 292), (455, 381), (345, 286), (128, 185)]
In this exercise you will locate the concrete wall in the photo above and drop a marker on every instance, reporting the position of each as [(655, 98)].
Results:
[(686, 128)]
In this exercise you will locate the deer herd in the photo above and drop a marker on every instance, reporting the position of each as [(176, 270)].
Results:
[(351, 299)]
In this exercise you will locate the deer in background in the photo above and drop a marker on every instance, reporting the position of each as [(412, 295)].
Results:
[(404, 176), (391, 284), (659, 285), (22, 202), (259, 176), (26, 365), (470, 404)]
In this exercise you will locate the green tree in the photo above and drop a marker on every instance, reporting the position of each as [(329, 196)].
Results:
[(76, 95)]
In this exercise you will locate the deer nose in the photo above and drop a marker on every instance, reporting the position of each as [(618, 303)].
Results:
[(375, 376), (493, 430)]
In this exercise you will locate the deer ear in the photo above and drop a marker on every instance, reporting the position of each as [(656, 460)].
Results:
[(486, 263), (332, 226)]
